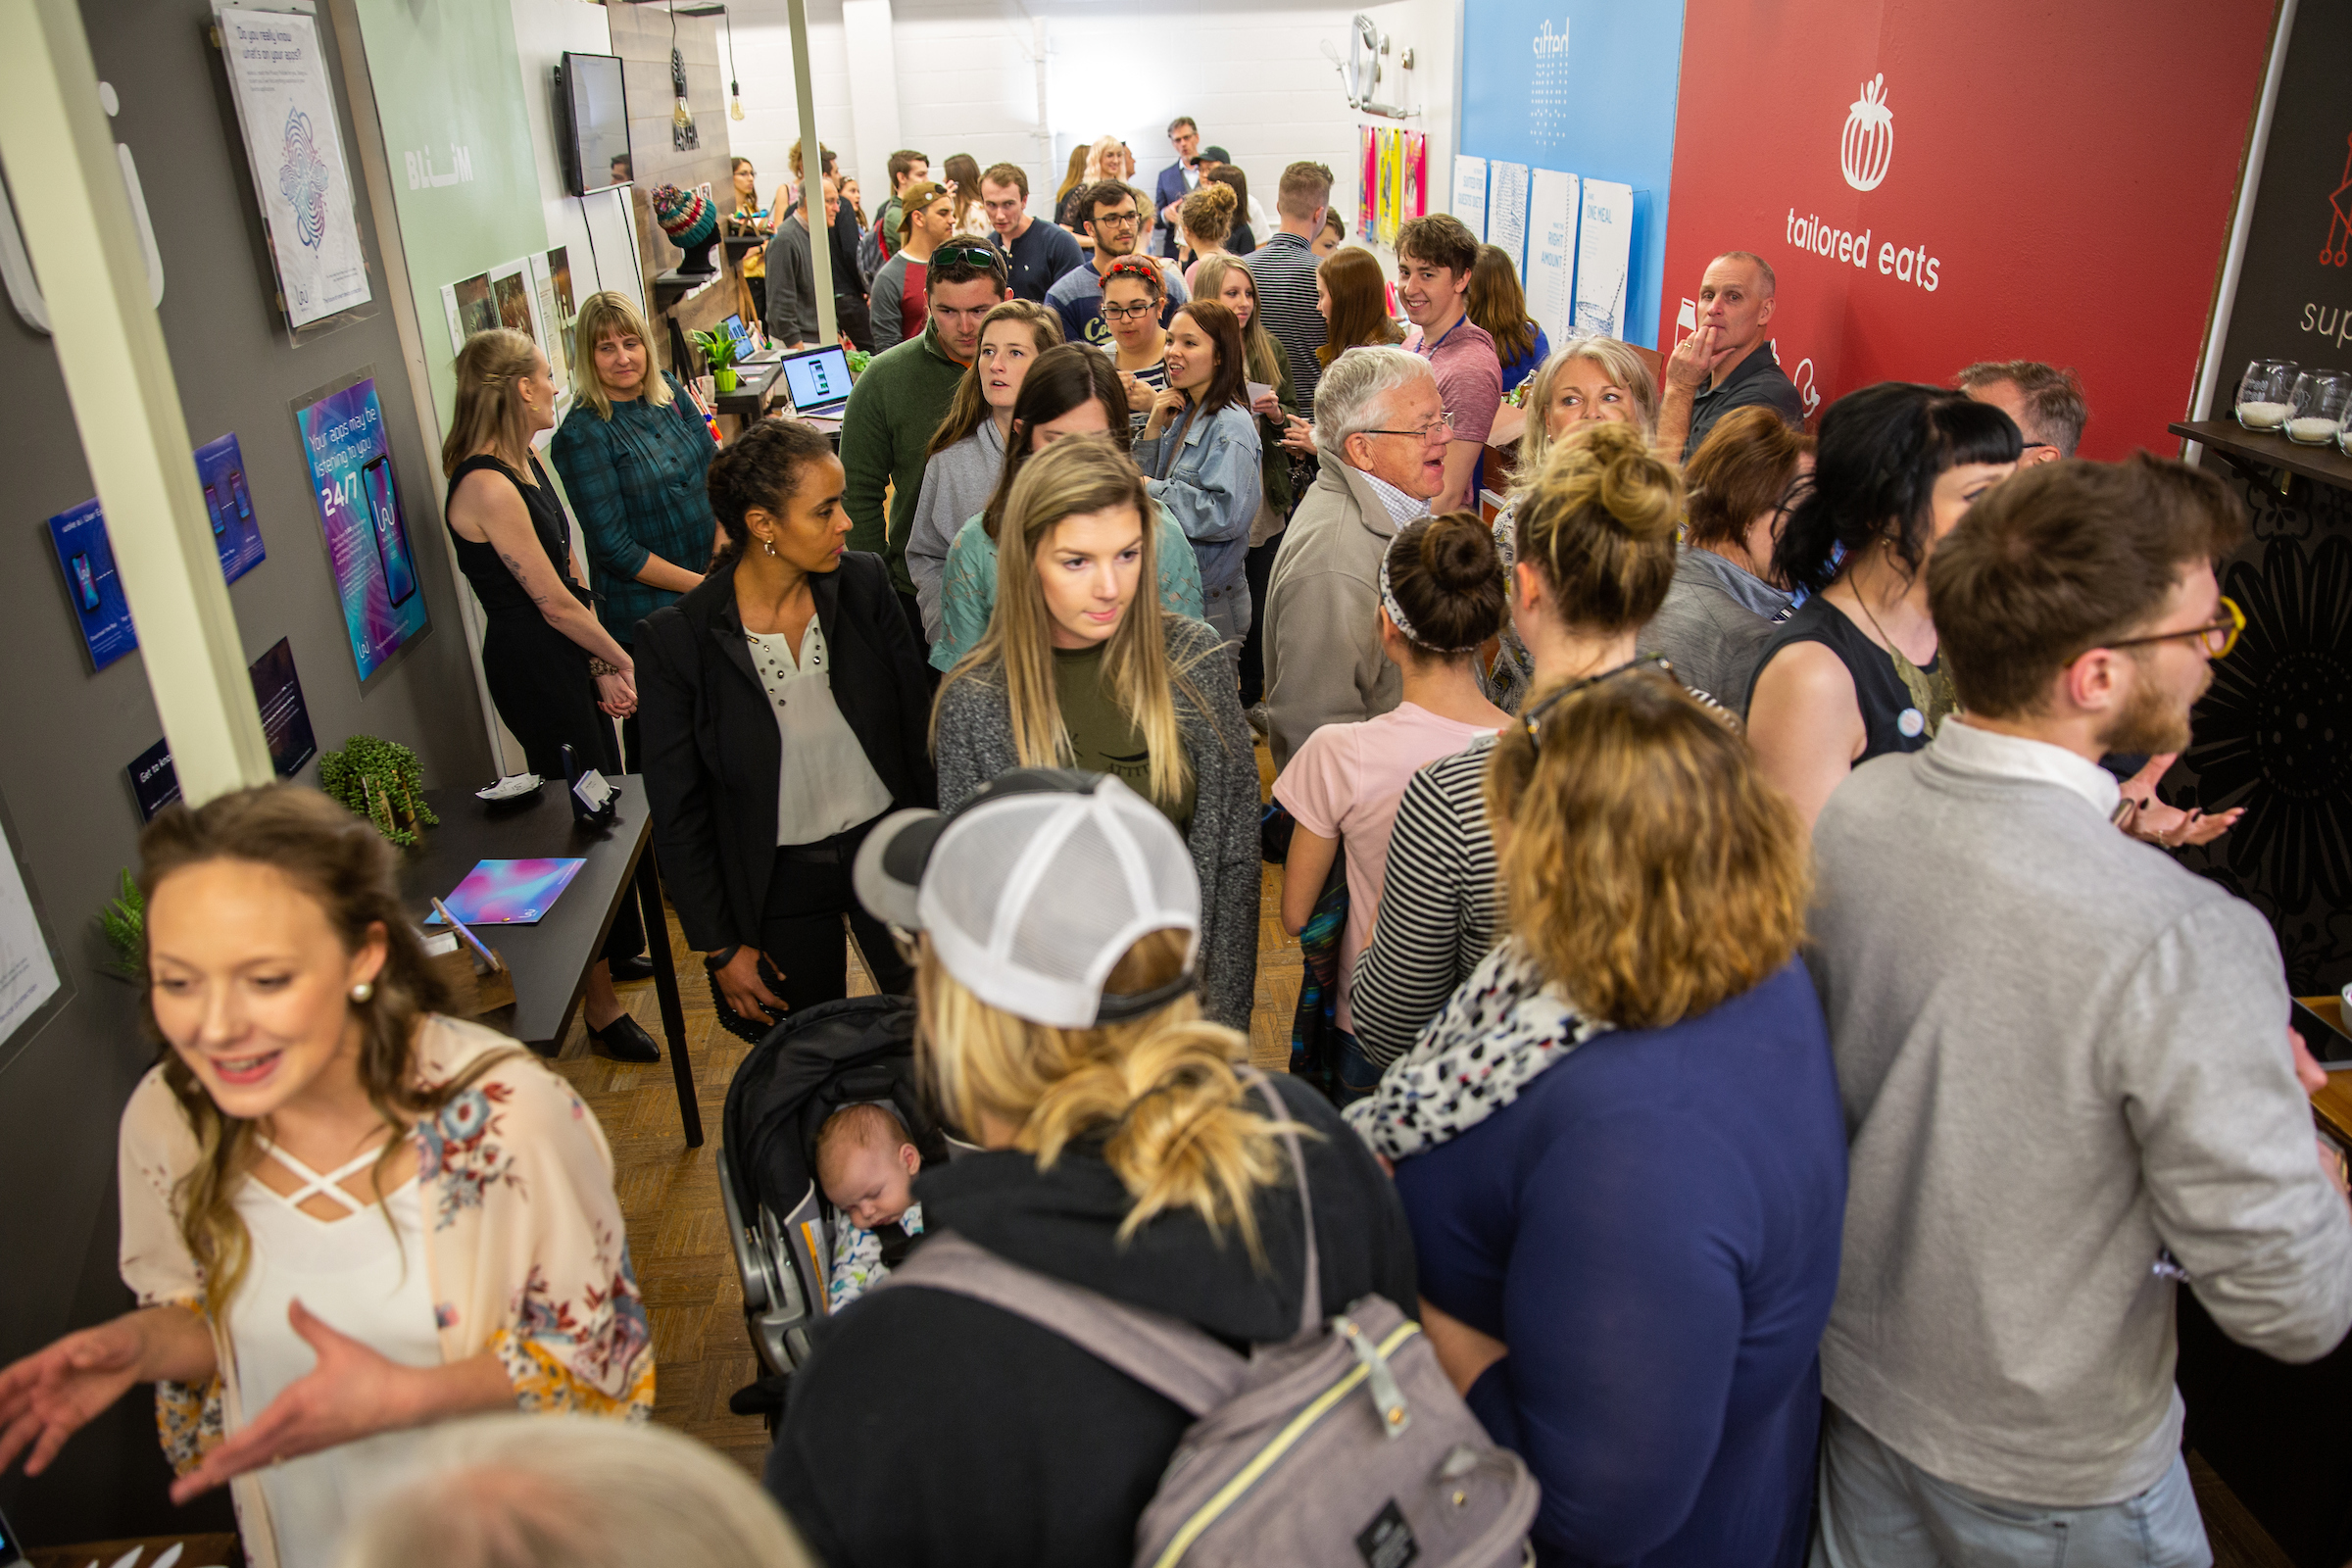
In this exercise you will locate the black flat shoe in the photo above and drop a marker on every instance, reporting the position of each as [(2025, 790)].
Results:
[(640, 967), (625, 1039)]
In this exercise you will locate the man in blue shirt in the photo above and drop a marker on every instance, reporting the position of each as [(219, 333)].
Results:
[(1179, 179), (1036, 254), (1109, 213)]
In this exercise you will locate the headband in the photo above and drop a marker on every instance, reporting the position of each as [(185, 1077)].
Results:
[(1397, 617)]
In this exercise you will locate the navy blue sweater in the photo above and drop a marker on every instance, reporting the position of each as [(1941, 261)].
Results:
[(1652, 1228)]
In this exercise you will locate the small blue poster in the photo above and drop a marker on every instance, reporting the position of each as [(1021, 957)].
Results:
[(229, 506), (92, 584)]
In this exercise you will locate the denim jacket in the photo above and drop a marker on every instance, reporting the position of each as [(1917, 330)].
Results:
[(1207, 479)]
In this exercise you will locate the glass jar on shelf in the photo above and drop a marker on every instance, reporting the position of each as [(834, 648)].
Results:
[(2262, 394), (2319, 400)]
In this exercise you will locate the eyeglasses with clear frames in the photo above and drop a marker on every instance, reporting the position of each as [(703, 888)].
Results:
[(1427, 428)]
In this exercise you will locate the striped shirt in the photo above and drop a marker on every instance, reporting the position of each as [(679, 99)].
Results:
[(1153, 375), (1284, 270), (1440, 905)]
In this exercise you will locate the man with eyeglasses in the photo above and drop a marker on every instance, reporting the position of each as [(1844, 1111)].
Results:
[(2045, 401), (1036, 254), (791, 275), (1112, 216), (2069, 1078), (897, 406), (1380, 432)]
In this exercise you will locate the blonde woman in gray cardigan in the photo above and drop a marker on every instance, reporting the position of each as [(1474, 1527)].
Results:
[(1078, 669), (968, 451)]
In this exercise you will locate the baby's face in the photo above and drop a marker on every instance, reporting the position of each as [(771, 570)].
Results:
[(874, 1186)]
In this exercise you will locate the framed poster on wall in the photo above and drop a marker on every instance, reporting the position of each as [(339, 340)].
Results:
[(277, 75), (87, 558), (228, 507), (368, 542), (35, 987)]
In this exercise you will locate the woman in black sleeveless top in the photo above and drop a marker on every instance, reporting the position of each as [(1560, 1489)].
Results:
[(556, 675), (1853, 672)]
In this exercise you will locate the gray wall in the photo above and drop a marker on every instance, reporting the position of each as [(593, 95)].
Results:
[(66, 735)]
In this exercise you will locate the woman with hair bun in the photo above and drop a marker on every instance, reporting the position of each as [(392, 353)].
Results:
[(1621, 1143), (1206, 217), (1441, 597), (1853, 674), (344, 1215), (785, 702), (1595, 547), (1123, 1152)]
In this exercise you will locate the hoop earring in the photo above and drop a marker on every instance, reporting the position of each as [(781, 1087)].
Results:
[(363, 991)]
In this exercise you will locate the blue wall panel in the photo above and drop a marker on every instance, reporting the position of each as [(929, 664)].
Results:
[(1600, 104)]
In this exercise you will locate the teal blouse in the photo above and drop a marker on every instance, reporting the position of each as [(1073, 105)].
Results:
[(636, 483)]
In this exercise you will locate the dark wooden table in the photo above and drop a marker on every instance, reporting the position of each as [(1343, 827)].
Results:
[(755, 389), (551, 959), (195, 1551), (2264, 449)]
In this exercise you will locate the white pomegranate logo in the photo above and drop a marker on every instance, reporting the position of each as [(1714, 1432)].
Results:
[(1868, 139)]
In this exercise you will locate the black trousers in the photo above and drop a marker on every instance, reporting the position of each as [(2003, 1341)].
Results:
[(1259, 567), (808, 890)]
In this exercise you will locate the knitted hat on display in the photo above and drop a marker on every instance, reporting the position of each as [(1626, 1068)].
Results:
[(687, 216)]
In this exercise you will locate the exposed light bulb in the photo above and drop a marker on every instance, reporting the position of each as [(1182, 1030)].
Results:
[(734, 100)]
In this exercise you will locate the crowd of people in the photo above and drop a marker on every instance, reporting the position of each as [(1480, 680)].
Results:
[(1752, 1020)]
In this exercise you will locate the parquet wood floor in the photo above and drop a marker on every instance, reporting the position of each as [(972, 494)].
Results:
[(678, 1230)]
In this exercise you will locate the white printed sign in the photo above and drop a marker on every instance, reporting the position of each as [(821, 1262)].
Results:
[(1605, 257), (1506, 210), (1550, 274), (287, 112), (27, 973), (1470, 194)]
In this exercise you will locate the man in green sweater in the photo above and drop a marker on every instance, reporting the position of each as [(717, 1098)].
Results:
[(897, 404)]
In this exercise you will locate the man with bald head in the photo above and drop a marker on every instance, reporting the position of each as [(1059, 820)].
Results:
[(1728, 362), (2045, 400)]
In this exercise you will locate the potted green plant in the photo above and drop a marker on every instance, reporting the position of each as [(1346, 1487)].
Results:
[(125, 923), (382, 781), (718, 351)]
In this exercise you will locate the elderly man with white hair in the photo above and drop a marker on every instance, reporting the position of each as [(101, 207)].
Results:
[(1380, 432)]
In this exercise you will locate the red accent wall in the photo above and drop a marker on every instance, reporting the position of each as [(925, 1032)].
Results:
[(2062, 175)]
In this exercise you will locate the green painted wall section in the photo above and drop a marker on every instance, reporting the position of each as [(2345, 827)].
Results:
[(448, 89)]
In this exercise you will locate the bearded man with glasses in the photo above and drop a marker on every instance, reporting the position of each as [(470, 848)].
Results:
[(1381, 431), (1114, 220), (2069, 1078)]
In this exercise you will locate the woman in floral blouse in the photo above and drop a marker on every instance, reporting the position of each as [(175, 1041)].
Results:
[(345, 1216)]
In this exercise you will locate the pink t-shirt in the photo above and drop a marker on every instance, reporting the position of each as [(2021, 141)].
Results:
[(1469, 375), (1346, 783)]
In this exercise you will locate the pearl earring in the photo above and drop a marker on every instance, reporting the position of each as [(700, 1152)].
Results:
[(363, 991), (770, 545)]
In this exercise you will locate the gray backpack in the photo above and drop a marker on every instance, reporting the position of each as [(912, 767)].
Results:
[(1343, 1447)]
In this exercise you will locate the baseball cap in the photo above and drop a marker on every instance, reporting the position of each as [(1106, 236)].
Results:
[(1215, 154), (1033, 889)]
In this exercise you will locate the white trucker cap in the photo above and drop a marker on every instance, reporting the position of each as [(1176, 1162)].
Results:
[(1034, 888)]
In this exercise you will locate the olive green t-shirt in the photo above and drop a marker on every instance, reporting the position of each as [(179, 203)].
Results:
[(1103, 738)]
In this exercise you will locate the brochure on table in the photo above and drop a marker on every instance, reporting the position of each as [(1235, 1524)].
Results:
[(508, 892), (367, 538), (286, 109)]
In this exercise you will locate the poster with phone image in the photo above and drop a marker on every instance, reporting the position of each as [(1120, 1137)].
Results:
[(220, 469), (92, 588), (368, 539)]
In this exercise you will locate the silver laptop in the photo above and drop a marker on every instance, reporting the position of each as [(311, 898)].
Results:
[(818, 380)]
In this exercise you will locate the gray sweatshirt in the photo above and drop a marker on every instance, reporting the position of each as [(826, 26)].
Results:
[(791, 282), (957, 485), (2062, 1056)]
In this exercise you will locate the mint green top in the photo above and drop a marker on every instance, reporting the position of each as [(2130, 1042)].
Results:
[(967, 587)]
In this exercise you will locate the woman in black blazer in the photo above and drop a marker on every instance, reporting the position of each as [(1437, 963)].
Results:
[(785, 709)]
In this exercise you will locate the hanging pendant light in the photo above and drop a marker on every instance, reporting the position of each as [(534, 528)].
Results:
[(684, 136), (734, 87)]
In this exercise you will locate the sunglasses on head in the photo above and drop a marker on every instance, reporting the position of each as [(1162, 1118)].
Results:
[(968, 253)]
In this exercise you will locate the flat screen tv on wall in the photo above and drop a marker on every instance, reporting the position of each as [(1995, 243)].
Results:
[(596, 133)]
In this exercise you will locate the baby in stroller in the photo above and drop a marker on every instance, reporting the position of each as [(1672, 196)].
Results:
[(866, 1164)]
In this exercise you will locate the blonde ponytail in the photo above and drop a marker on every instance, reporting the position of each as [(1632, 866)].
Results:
[(1162, 1090)]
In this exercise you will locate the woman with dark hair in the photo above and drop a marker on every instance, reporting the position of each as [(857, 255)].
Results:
[(1726, 599), (1244, 238), (1620, 1144), (786, 710), (1498, 305), (1231, 282), (344, 1216), (1071, 390), (1853, 674), (1200, 454), (1352, 295), (555, 673), (1440, 599), (1134, 293)]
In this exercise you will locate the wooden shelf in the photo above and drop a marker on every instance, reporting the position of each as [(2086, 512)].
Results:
[(674, 287), (2327, 465)]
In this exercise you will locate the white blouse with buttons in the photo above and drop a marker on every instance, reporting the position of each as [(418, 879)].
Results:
[(824, 784)]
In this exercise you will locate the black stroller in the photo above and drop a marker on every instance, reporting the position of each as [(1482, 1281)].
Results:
[(809, 1066)]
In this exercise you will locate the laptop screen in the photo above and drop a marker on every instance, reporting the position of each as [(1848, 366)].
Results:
[(734, 328), (817, 380)]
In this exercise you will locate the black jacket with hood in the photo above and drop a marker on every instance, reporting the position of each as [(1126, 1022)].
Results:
[(933, 1429)]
